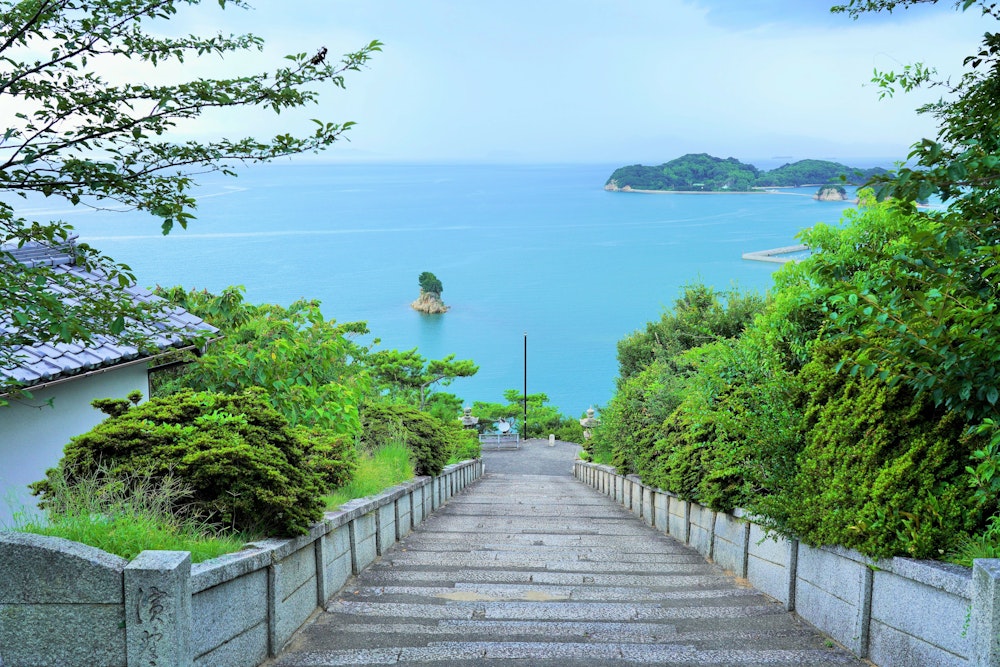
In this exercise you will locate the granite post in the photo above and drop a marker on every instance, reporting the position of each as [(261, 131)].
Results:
[(158, 609), (986, 612)]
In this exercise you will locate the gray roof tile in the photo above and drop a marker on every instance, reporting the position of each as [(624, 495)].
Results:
[(21, 374), (44, 362), (45, 350)]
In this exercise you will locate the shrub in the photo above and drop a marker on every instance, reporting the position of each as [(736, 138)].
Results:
[(569, 430), (307, 365), (329, 454), (631, 422), (464, 446), (431, 440), (699, 316), (737, 430), (882, 470), (246, 469)]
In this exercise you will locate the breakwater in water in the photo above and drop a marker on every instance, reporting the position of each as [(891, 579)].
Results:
[(776, 255)]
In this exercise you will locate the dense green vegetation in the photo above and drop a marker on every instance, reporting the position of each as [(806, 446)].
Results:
[(814, 172), (695, 171), (732, 402), (431, 441), (703, 172), (308, 367), (429, 283), (269, 418)]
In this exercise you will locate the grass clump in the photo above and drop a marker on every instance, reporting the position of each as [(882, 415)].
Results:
[(984, 545), (386, 466), (127, 516), (431, 440)]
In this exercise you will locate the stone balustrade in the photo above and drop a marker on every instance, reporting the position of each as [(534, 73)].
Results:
[(67, 604), (896, 611)]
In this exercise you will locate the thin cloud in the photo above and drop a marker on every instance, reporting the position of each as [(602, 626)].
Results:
[(753, 14)]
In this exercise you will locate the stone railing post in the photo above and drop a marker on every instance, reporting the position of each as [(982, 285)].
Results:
[(986, 612), (158, 609)]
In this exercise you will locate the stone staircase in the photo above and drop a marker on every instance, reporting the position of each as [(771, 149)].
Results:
[(527, 569)]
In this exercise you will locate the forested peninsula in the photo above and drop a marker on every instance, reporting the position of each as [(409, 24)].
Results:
[(700, 172)]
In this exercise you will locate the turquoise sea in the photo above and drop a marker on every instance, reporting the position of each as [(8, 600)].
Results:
[(542, 250)]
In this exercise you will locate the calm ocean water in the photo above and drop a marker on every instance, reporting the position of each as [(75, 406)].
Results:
[(536, 249)]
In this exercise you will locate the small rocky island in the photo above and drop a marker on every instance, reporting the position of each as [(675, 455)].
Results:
[(831, 193), (429, 300)]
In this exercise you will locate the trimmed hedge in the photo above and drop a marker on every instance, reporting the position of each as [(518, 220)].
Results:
[(882, 471), (246, 468)]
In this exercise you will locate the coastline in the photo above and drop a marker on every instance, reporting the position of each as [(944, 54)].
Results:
[(692, 192), (769, 190)]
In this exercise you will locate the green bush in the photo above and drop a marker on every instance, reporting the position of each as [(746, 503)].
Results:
[(631, 421), (245, 468), (882, 470), (329, 454), (675, 461), (699, 316), (307, 365), (431, 440), (464, 445), (569, 430), (736, 432)]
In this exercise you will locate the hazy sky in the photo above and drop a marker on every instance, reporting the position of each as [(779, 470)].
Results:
[(615, 81)]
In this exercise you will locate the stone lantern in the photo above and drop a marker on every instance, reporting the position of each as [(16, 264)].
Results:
[(468, 421), (589, 423)]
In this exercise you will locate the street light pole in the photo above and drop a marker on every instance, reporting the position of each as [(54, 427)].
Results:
[(525, 385)]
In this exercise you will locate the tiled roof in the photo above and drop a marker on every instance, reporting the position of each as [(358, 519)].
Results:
[(46, 362)]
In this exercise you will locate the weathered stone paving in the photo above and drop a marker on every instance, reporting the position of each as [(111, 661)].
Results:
[(530, 567)]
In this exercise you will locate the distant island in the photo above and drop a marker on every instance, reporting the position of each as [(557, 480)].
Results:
[(701, 172), (429, 301)]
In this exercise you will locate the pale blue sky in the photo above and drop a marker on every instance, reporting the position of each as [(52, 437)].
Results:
[(610, 81)]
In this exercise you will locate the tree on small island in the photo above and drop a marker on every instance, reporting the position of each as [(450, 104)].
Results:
[(429, 284), (430, 295)]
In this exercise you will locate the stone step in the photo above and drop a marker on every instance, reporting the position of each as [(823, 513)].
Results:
[(668, 563), (701, 632), (679, 576), (561, 654), (552, 612), (506, 592), (544, 572)]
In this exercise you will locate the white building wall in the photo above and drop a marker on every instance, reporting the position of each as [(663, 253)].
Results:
[(33, 434)]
